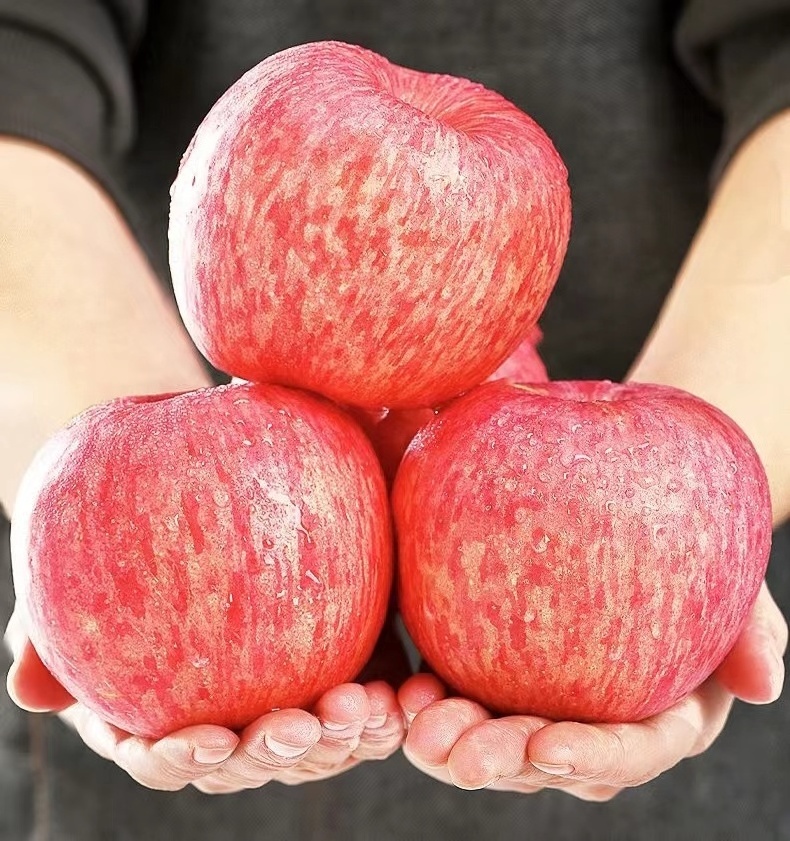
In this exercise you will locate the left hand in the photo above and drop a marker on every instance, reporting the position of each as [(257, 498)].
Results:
[(458, 742)]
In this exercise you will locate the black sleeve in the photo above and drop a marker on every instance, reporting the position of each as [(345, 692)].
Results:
[(65, 78), (738, 53)]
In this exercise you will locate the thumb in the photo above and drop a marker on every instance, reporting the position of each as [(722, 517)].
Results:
[(30, 684), (754, 670)]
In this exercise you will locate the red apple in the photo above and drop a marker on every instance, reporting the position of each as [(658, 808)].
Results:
[(524, 365), (391, 432), (204, 558), (383, 236), (580, 551)]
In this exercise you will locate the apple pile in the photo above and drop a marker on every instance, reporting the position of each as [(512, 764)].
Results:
[(366, 245)]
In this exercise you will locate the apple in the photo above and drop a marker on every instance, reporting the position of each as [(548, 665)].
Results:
[(204, 557), (524, 365), (383, 236), (580, 551), (391, 432)]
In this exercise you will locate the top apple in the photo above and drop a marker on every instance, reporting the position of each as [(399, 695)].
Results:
[(380, 235)]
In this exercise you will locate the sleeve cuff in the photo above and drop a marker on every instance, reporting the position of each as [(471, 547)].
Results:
[(743, 67), (754, 67), (49, 96)]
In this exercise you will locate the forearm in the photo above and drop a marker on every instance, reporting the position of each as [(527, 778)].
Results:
[(82, 318), (724, 333)]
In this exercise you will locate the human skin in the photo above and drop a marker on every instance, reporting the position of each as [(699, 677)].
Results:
[(722, 335), (87, 287)]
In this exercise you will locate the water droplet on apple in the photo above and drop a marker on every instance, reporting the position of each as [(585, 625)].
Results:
[(543, 476), (542, 543), (511, 485)]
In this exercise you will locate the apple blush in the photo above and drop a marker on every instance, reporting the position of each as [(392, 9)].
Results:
[(205, 557), (582, 550)]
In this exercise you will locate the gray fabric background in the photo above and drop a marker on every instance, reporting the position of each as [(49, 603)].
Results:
[(639, 141)]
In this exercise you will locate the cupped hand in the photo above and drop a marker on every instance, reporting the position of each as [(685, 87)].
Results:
[(457, 741), (350, 723)]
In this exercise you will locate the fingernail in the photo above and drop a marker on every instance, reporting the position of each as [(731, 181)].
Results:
[(376, 721), (331, 725), (211, 756), (282, 749), (557, 770)]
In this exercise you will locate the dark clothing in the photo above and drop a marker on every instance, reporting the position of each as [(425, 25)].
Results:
[(646, 101), (121, 85)]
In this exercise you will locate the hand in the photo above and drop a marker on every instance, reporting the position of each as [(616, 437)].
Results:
[(458, 742), (349, 724)]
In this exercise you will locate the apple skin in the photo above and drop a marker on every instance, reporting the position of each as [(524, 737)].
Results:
[(525, 364), (391, 432), (382, 236), (205, 557), (580, 551)]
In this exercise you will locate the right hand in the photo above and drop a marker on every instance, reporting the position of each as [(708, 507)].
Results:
[(349, 724)]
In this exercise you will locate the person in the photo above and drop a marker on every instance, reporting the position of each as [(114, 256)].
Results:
[(97, 102)]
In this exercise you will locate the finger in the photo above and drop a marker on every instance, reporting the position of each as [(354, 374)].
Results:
[(436, 729), (773, 618), (171, 763), (269, 746), (31, 685), (754, 669), (631, 754), (385, 728), (419, 692), (593, 792), (307, 772), (343, 712), (102, 738), (15, 633), (496, 750)]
